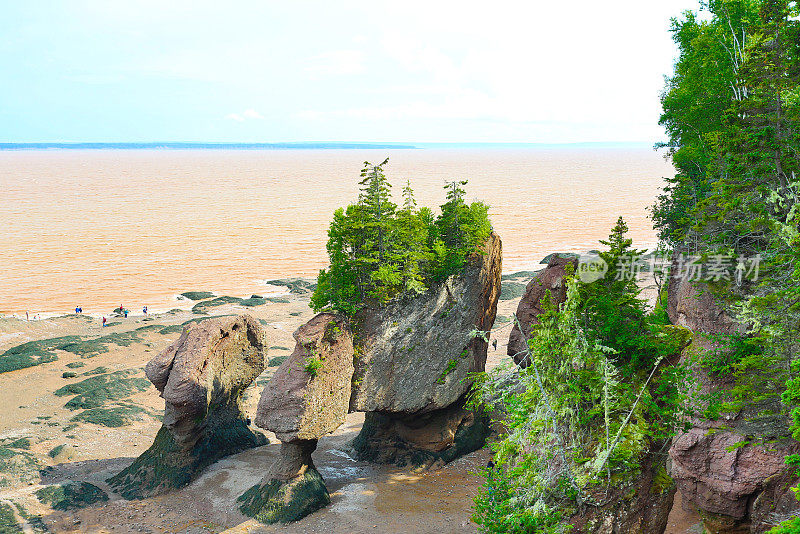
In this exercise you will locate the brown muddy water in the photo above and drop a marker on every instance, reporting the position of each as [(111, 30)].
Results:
[(136, 227)]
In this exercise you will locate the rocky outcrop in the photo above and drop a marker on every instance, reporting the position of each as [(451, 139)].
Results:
[(692, 305), (408, 371), (201, 377), (531, 305), (730, 468), (413, 361), (292, 489), (307, 398), (309, 394), (414, 355)]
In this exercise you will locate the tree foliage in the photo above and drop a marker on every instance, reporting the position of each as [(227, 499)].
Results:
[(595, 398), (732, 114), (378, 252)]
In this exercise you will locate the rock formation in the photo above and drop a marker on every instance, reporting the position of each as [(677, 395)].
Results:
[(307, 398), (413, 361), (201, 377), (730, 468), (408, 371), (530, 306)]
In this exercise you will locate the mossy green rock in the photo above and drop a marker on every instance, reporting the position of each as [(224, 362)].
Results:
[(198, 295), (166, 465), (201, 377), (284, 501), (71, 495)]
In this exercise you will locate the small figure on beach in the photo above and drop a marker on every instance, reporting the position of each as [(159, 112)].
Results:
[(104, 321), (121, 309), (126, 314), (80, 309), (144, 310), (26, 316)]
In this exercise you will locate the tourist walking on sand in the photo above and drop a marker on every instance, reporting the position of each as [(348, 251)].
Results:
[(144, 310), (104, 321), (26, 316), (126, 314)]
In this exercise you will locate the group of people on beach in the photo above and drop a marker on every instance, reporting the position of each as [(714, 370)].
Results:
[(79, 310), (123, 311)]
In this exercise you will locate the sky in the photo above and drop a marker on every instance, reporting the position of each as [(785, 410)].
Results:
[(346, 71)]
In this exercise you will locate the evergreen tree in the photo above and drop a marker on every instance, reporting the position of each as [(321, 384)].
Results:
[(378, 252)]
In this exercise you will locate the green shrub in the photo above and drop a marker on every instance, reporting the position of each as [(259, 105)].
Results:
[(313, 365)]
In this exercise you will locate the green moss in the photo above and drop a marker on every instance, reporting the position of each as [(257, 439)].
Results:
[(521, 274), (19, 465), (69, 427), (295, 314), (56, 450), (203, 307), (34, 353), (68, 374), (278, 347), (96, 371), (276, 361), (71, 495), (198, 295), (96, 391), (297, 286), (662, 482), (166, 465), (451, 366), (115, 416), (511, 290), (8, 521), (251, 302), (285, 501), (21, 443), (75, 365), (313, 365)]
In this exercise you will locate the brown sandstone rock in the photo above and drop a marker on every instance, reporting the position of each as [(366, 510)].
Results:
[(296, 404), (415, 355), (690, 304), (530, 306), (201, 377)]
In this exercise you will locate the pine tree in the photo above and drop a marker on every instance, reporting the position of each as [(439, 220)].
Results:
[(375, 197)]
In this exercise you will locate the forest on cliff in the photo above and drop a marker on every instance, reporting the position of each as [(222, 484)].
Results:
[(603, 391)]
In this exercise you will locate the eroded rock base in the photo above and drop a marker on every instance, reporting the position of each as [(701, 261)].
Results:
[(427, 440), (291, 490), (166, 465), (284, 501)]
